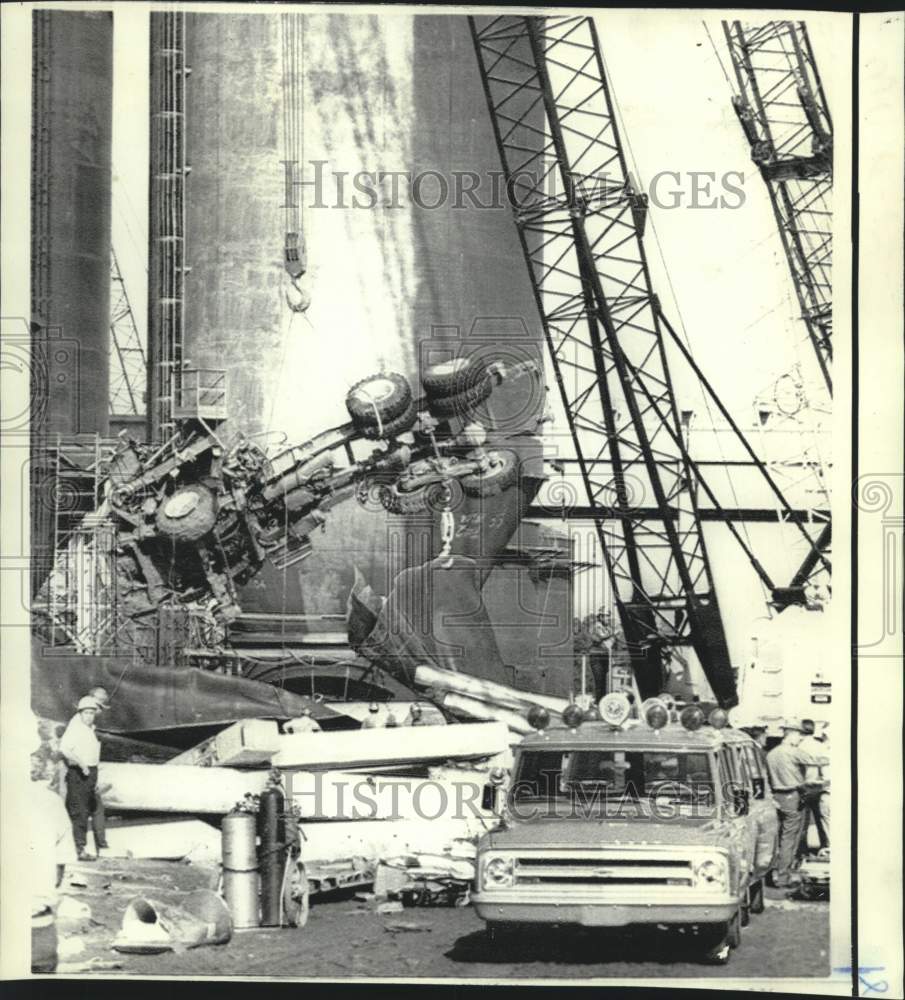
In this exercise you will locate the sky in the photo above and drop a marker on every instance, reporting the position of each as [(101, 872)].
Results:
[(725, 280)]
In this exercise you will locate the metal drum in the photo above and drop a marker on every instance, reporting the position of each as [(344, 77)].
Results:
[(241, 890), (239, 850), (241, 882)]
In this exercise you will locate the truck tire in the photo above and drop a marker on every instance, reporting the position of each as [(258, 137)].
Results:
[(460, 404), (392, 428), (451, 378), (396, 501), (501, 474), (189, 514), (378, 399), (295, 894)]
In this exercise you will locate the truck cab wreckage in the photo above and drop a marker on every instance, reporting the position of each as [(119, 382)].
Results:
[(196, 519)]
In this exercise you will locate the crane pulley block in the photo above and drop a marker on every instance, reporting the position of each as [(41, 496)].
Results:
[(295, 255)]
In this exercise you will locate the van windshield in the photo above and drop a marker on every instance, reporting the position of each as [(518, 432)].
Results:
[(622, 776)]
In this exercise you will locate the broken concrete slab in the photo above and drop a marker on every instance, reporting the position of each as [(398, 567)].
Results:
[(410, 744), (164, 840), (247, 743), (160, 788)]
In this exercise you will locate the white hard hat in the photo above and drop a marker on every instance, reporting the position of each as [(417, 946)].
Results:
[(89, 702)]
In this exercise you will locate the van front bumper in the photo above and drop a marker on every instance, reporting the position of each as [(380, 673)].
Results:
[(514, 907)]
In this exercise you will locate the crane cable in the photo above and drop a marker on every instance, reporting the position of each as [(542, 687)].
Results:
[(293, 88)]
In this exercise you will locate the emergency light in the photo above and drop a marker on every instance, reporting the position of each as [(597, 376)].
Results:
[(572, 716), (538, 718), (614, 708), (718, 718), (655, 713), (692, 717)]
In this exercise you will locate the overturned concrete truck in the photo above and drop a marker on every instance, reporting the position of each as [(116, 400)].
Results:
[(188, 525)]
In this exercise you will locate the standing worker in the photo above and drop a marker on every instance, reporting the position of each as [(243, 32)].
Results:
[(50, 848), (305, 723), (817, 801), (415, 716), (788, 767), (372, 719), (82, 751)]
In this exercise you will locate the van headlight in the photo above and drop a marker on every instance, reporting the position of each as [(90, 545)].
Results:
[(498, 872), (712, 873)]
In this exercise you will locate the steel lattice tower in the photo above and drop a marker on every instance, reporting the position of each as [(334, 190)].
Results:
[(784, 113), (128, 365), (581, 224)]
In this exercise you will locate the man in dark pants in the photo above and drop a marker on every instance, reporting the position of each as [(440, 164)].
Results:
[(788, 767), (82, 750)]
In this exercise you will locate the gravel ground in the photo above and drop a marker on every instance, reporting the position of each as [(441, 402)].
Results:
[(348, 938)]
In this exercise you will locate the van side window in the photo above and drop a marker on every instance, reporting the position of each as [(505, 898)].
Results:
[(755, 758), (727, 780)]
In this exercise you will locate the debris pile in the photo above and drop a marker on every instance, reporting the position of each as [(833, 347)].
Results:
[(393, 809)]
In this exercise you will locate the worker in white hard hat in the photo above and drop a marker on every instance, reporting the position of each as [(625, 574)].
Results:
[(305, 723), (99, 694), (50, 848), (82, 751), (372, 720), (789, 769), (415, 716)]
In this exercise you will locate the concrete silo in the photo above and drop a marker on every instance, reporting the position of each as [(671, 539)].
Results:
[(416, 272), (72, 81)]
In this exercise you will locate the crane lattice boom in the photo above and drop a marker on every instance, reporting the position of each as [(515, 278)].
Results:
[(581, 224)]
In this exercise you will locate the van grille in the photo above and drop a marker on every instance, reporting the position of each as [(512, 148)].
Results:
[(603, 870)]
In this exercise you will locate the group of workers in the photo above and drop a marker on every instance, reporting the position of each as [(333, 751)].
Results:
[(375, 719), (798, 770)]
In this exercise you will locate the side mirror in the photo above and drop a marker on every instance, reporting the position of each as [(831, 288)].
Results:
[(489, 798), (759, 788), (741, 801)]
